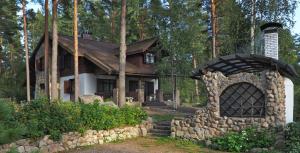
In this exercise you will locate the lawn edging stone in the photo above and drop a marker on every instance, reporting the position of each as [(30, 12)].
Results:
[(72, 140)]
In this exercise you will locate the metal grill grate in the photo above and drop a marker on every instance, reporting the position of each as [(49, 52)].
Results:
[(242, 100)]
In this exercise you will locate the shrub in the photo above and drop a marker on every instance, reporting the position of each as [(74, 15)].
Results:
[(292, 132), (44, 118), (10, 129), (244, 140), (106, 117)]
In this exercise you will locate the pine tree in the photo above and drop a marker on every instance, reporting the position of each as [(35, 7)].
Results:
[(54, 90), (26, 49), (76, 52), (46, 51), (122, 56)]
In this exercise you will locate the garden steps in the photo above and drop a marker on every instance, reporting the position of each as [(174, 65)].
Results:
[(161, 128)]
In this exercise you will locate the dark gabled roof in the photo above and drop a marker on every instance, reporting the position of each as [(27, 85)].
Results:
[(101, 54), (138, 47), (238, 63)]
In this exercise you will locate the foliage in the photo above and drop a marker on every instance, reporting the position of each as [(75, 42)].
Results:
[(293, 137), (42, 117), (245, 140), (10, 129), (106, 117)]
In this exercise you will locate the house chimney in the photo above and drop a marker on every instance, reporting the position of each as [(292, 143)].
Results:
[(86, 35), (270, 39)]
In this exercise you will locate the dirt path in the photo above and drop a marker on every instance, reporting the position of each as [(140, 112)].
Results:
[(145, 145)]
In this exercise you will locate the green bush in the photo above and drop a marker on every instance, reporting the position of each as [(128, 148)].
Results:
[(292, 132), (10, 129), (105, 117), (43, 118), (244, 140)]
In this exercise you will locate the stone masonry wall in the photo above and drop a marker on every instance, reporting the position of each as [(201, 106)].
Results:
[(74, 139), (207, 122)]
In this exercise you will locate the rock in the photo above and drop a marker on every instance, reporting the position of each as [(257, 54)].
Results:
[(87, 99), (208, 143), (265, 125), (143, 131), (110, 103), (22, 142), (255, 150), (21, 149), (30, 148), (44, 149), (42, 143)]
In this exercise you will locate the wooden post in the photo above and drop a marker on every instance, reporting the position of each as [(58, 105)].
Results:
[(140, 96), (177, 98), (116, 96), (160, 96)]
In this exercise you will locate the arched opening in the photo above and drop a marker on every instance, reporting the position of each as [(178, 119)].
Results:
[(242, 100)]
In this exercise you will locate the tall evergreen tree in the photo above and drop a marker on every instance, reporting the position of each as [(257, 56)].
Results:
[(54, 90), (76, 75), (122, 56), (46, 51), (26, 49)]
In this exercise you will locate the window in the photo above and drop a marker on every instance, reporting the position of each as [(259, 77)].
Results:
[(133, 85), (242, 100), (149, 58), (40, 64), (42, 86), (66, 61), (69, 86), (105, 85)]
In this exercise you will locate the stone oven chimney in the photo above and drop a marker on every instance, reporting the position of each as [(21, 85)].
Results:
[(271, 48), (270, 39)]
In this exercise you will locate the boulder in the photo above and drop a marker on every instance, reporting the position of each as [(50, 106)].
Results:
[(87, 99)]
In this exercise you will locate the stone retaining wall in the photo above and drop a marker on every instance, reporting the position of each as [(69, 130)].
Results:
[(207, 122), (74, 139)]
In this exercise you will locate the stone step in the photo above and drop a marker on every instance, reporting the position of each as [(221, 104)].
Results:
[(160, 134), (162, 127), (159, 131), (163, 123)]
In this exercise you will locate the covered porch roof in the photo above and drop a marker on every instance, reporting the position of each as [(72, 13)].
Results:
[(238, 63)]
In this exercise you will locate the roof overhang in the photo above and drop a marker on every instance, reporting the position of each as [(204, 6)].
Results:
[(239, 63)]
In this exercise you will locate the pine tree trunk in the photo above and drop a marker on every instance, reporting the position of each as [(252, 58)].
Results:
[(113, 16), (26, 50), (54, 90), (213, 23), (196, 81), (122, 56), (141, 25), (76, 52), (46, 51), (253, 16)]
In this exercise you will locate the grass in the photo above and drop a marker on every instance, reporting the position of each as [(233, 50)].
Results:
[(165, 117), (187, 145)]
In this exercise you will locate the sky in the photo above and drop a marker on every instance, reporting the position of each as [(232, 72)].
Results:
[(297, 19), (295, 30)]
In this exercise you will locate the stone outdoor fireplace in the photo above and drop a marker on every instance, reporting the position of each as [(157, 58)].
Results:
[(243, 91)]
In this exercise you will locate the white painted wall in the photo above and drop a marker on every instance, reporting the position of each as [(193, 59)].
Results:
[(289, 100), (87, 85)]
